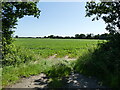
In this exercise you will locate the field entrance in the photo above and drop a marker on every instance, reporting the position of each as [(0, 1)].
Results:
[(55, 58)]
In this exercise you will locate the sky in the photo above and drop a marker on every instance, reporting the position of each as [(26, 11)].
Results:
[(59, 18)]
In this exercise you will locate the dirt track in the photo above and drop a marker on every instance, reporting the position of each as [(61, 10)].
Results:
[(38, 81), (74, 81)]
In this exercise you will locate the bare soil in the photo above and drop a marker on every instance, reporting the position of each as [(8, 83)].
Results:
[(38, 81), (77, 80), (73, 81)]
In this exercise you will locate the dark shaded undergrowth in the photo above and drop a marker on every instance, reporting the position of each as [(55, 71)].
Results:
[(103, 62)]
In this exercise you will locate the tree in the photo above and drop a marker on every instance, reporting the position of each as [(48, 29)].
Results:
[(104, 36), (97, 36), (82, 36), (108, 11), (11, 12), (51, 36), (89, 36), (67, 37), (108, 52), (16, 36), (77, 36)]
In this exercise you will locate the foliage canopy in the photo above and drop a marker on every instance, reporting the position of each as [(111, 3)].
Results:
[(106, 58), (108, 11), (11, 12)]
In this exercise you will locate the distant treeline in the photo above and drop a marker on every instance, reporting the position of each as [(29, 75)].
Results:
[(77, 36)]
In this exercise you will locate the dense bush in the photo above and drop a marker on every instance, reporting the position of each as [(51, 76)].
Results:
[(103, 62), (11, 12), (17, 55)]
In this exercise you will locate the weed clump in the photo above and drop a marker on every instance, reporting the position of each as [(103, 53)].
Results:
[(57, 74)]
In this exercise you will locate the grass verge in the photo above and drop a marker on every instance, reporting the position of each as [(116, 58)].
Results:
[(21, 62), (12, 74)]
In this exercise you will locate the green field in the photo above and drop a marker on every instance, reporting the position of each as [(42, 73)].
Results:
[(62, 47), (32, 54)]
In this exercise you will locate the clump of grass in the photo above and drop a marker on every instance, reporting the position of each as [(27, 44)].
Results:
[(58, 74), (59, 70), (56, 83)]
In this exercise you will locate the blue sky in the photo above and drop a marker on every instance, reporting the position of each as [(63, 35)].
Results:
[(59, 18)]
